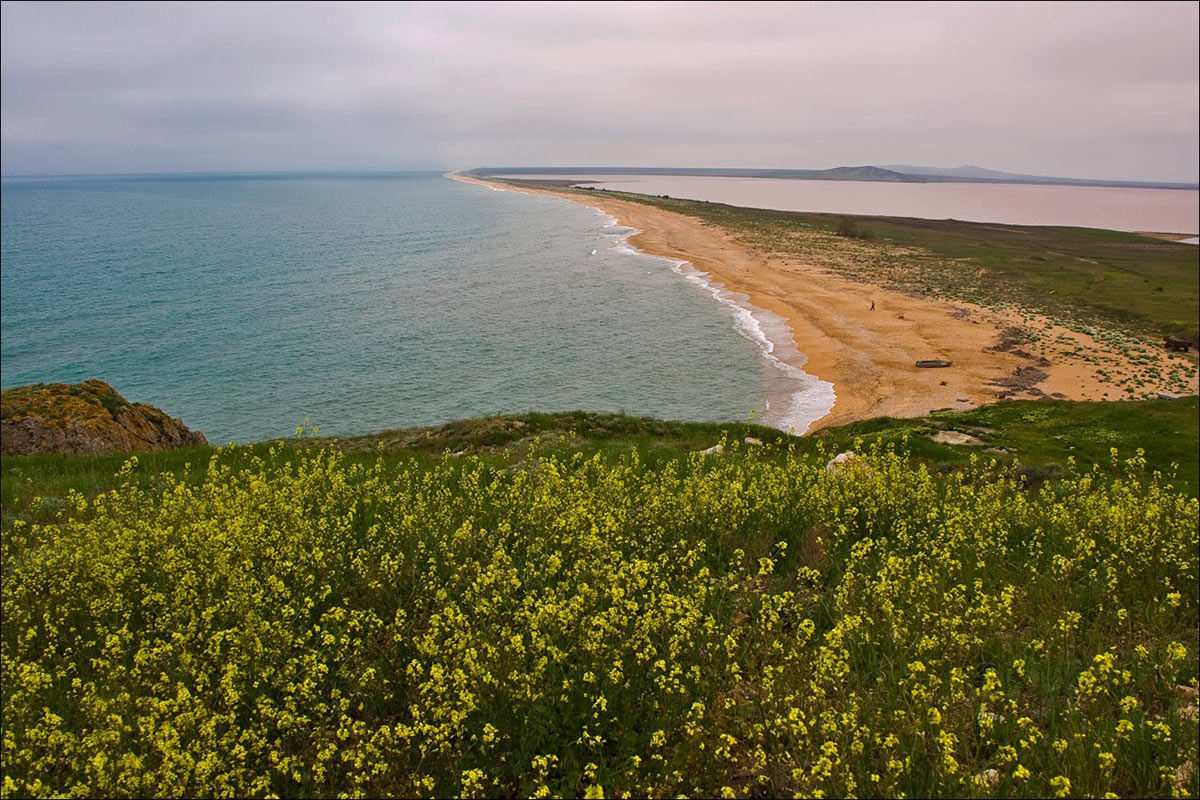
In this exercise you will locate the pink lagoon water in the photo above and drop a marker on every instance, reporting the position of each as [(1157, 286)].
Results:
[(1122, 209)]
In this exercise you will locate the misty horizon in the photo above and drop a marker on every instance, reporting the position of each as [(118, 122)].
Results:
[(532, 168), (1040, 89)]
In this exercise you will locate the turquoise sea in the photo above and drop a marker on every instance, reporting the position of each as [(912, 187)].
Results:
[(248, 304)]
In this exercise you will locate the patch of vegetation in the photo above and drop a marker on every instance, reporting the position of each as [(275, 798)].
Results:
[(1050, 435), (1031, 433), (91, 399), (300, 620), (849, 228)]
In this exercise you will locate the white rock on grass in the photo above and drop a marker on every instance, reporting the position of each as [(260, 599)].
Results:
[(956, 437), (714, 450), (989, 778), (752, 440), (841, 461)]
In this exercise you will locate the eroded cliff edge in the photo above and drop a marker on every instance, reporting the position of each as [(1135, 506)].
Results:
[(88, 417)]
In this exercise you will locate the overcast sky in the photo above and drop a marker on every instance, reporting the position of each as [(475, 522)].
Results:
[(1099, 90)]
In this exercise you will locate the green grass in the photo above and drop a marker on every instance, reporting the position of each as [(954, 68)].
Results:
[(1040, 437), (524, 620), (1091, 276)]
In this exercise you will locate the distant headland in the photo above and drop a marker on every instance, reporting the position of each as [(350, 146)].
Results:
[(894, 173)]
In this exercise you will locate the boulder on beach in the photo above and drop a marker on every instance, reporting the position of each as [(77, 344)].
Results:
[(88, 417)]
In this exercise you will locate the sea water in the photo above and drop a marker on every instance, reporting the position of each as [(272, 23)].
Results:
[(247, 305)]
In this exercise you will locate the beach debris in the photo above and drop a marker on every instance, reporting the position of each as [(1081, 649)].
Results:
[(714, 450), (961, 400), (957, 437), (1167, 396), (752, 440), (843, 462), (933, 363)]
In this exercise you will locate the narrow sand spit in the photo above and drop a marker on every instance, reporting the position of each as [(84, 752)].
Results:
[(870, 354)]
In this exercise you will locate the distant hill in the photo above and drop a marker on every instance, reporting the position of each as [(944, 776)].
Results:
[(865, 173), (974, 174), (893, 173), (966, 171)]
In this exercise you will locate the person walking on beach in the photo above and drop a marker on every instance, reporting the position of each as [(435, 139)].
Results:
[(872, 305)]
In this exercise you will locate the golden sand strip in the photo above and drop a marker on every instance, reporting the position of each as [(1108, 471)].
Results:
[(864, 339)]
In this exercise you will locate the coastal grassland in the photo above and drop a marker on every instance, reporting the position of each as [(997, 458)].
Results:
[(36, 486), (1086, 276), (556, 613), (1039, 439)]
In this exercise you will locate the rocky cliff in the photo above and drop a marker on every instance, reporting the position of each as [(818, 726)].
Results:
[(88, 417)]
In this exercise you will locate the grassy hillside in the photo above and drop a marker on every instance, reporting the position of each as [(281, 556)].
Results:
[(1090, 276), (1039, 440), (527, 619), (1042, 438)]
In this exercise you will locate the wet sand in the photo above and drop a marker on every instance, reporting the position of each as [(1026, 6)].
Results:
[(870, 354)]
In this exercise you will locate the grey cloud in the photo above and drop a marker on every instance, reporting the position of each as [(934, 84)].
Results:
[(1092, 90)]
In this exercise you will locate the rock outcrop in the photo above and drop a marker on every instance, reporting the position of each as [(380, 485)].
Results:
[(88, 417)]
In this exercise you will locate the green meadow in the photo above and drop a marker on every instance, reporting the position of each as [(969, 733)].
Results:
[(588, 605)]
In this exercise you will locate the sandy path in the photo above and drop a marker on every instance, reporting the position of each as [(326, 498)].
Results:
[(869, 355)]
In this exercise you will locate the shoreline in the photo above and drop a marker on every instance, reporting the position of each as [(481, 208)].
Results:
[(867, 353), (796, 399)]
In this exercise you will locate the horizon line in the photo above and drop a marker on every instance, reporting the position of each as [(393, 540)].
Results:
[(1191, 184), (200, 173), (598, 169)]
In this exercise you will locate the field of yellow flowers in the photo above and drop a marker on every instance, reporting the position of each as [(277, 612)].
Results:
[(740, 625)]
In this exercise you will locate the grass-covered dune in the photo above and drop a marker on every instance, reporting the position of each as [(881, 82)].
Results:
[(563, 613)]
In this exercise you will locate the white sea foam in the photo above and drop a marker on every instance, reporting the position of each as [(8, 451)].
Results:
[(808, 398)]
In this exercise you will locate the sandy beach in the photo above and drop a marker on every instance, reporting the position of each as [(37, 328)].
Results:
[(866, 340)]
